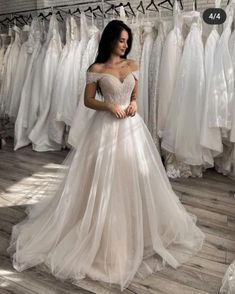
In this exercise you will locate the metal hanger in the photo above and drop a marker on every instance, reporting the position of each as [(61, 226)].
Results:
[(100, 10), (76, 11), (89, 9), (140, 7), (131, 9), (166, 1), (152, 3), (181, 4), (112, 8), (126, 11)]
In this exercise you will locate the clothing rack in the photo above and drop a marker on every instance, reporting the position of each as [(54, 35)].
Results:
[(57, 6)]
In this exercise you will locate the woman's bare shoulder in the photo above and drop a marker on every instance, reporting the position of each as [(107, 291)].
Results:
[(96, 67), (133, 64)]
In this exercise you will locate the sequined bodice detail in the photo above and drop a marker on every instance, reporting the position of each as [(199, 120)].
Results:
[(114, 89)]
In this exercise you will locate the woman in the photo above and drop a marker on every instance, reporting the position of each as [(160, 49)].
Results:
[(115, 215)]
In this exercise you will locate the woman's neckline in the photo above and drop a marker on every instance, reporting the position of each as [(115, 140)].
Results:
[(114, 76)]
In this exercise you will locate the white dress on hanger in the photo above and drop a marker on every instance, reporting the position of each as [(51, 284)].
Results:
[(169, 66), (65, 89), (71, 102), (2, 53), (10, 63), (21, 70), (186, 108), (210, 136), (221, 92), (136, 49), (154, 70), (6, 78), (222, 103), (232, 53), (40, 132), (88, 58), (112, 218), (143, 102), (28, 96), (59, 95)]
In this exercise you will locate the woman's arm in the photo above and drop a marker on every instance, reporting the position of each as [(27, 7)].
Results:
[(91, 102), (132, 107)]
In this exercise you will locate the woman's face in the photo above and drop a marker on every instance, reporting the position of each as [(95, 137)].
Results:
[(121, 45)]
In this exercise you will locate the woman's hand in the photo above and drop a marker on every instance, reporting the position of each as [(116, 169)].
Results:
[(117, 110), (131, 109)]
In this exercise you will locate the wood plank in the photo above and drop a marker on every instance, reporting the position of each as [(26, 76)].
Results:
[(39, 282), (219, 242), (160, 285), (230, 256), (213, 205), (10, 287), (203, 193), (206, 266), (188, 277), (207, 215), (213, 253)]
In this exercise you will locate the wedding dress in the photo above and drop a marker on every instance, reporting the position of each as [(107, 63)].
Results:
[(187, 104), (136, 48), (2, 53), (88, 57), (11, 66), (59, 95), (21, 70), (29, 97), (210, 136), (40, 132), (169, 66), (63, 89), (114, 216), (148, 37), (232, 53), (222, 83), (71, 101), (154, 70)]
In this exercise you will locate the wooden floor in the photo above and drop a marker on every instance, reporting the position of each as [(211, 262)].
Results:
[(211, 199)]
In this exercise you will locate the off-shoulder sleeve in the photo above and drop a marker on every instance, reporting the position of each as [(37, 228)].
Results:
[(92, 77), (136, 74)]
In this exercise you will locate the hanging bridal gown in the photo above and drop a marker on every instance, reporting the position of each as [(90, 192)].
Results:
[(88, 57), (40, 132), (223, 96), (21, 69), (9, 63), (222, 83), (28, 96), (59, 94), (136, 49), (64, 90), (154, 69), (11, 66), (232, 53), (169, 66), (71, 99), (112, 217), (148, 37), (210, 136), (2, 53)]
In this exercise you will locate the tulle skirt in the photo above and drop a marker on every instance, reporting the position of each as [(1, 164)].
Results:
[(114, 215)]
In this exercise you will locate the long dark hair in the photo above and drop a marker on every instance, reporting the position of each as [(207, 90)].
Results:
[(109, 39)]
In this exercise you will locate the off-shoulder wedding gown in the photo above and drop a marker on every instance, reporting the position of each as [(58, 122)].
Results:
[(114, 216)]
